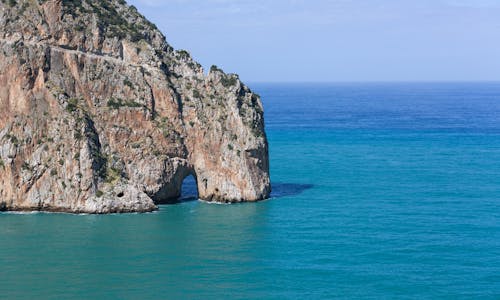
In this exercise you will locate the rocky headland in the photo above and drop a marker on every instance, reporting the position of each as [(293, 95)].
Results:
[(99, 114)]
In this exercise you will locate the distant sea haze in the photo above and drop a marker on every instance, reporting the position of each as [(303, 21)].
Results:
[(380, 190)]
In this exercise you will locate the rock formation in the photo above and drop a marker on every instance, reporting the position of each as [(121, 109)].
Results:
[(99, 114)]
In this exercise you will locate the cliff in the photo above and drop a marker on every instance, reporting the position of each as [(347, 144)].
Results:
[(99, 114)]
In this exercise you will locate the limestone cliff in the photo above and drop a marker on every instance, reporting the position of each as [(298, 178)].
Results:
[(100, 114)]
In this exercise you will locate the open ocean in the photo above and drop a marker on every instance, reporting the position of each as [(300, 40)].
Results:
[(380, 191)]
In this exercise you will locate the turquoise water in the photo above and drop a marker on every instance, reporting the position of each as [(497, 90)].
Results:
[(381, 191)]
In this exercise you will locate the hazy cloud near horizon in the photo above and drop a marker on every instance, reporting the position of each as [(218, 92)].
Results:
[(338, 40)]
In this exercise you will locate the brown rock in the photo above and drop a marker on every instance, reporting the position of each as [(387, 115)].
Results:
[(99, 114)]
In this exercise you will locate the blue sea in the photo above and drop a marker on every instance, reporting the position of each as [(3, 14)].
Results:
[(380, 191)]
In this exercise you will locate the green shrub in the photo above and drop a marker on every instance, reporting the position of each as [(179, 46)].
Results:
[(112, 175), (14, 140), (196, 94), (25, 166), (78, 135), (128, 83), (183, 54), (136, 36), (228, 80), (117, 103), (79, 27), (72, 105), (214, 68)]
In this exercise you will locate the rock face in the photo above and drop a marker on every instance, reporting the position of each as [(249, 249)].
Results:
[(99, 114)]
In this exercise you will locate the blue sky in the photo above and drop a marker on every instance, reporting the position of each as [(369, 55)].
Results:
[(336, 40)]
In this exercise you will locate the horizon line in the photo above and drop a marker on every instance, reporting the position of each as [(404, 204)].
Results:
[(367, 81)]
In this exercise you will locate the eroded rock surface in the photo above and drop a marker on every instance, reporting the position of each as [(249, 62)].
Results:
[(100, 114)]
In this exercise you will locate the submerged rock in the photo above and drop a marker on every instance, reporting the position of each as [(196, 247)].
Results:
[(99, 114)]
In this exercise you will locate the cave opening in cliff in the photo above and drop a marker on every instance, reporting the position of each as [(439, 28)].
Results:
[(181, 188), (189, 189)]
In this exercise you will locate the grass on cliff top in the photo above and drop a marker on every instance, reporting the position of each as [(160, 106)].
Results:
[(227, 80), (108, 18)]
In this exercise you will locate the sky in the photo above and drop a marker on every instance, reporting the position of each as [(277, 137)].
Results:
[(336, 40)]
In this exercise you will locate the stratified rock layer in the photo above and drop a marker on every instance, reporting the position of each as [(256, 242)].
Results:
[(99, 114)]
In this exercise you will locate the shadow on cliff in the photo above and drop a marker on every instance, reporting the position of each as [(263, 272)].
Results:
[(280, 189)]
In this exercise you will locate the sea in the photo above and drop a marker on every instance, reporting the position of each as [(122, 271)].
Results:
[(380, 191)]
